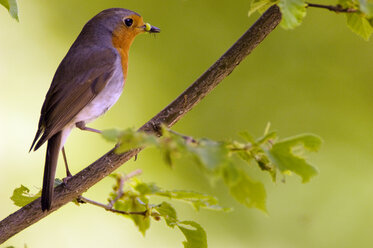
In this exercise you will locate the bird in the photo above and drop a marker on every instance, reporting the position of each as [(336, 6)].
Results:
[(88, 81)]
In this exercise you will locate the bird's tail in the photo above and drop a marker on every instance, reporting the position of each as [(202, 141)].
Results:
[(53, 149)]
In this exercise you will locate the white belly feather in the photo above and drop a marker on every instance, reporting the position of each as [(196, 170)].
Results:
[(104, 100)]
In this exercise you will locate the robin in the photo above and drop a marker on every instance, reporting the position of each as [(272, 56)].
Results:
[(88, 81)]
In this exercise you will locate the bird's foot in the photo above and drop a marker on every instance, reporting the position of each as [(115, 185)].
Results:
[(65, 179), (81, 126), (80, 200)]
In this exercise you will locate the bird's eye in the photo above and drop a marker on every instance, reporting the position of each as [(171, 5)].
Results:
[(128, 22)]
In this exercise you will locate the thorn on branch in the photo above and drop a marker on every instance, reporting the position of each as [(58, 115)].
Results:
[(335, 8)]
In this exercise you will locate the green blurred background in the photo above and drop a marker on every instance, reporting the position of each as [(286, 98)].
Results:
[(316, 78)]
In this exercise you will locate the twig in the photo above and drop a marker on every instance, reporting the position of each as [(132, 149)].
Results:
[(188, 139), (111, 209), (119, 194), (336, 8), (81, 182), (121, 185), (238, 149)]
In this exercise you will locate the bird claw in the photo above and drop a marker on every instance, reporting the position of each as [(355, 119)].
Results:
[(65, 179)]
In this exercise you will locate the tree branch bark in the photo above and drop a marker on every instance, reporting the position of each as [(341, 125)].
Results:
[(105, 165), (335, 8)]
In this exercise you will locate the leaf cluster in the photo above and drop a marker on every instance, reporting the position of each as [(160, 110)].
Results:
[(361, 21), (359, 13), (138, 198), (135, 200), (229, 161)]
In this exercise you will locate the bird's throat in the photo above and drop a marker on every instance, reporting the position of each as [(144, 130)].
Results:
[(122, 42)]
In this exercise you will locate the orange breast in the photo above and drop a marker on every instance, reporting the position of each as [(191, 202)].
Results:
[(122, 42)]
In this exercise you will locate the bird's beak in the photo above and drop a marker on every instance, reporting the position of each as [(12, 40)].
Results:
[(150, 29)]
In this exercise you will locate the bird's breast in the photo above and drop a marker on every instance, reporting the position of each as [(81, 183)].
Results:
[(104, 99)]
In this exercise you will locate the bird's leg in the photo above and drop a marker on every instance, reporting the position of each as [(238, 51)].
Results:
[(68, 174), (81, 126)]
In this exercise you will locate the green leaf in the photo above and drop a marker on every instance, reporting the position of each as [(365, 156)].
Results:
[(194, 234), (209, 154), (112, 135), (131, 139), (266, 165), (267, 137), (198, 200), (171, 146), (168, 213), (293, 12), (142, 222), (260, 5), (287, 155), (146, 188), (247, 137), (21, 196), (359, 24), (244, 189), (230, 174), (255, 150), (135, 204), (366, 7), (11, 6)]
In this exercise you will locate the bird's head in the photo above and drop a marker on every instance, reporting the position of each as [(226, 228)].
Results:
[(122, 25)]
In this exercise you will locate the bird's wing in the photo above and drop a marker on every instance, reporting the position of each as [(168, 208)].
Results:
[(78, 79)]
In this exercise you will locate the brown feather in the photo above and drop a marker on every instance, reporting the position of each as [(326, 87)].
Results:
[(51, 159), (70, 92)]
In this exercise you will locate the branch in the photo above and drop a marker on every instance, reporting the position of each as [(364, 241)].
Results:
[(120, 193), (188, 139), (336, 8), (81, 182), (82, 199)]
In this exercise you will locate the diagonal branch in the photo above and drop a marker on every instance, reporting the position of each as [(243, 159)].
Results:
[(105, 165)]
